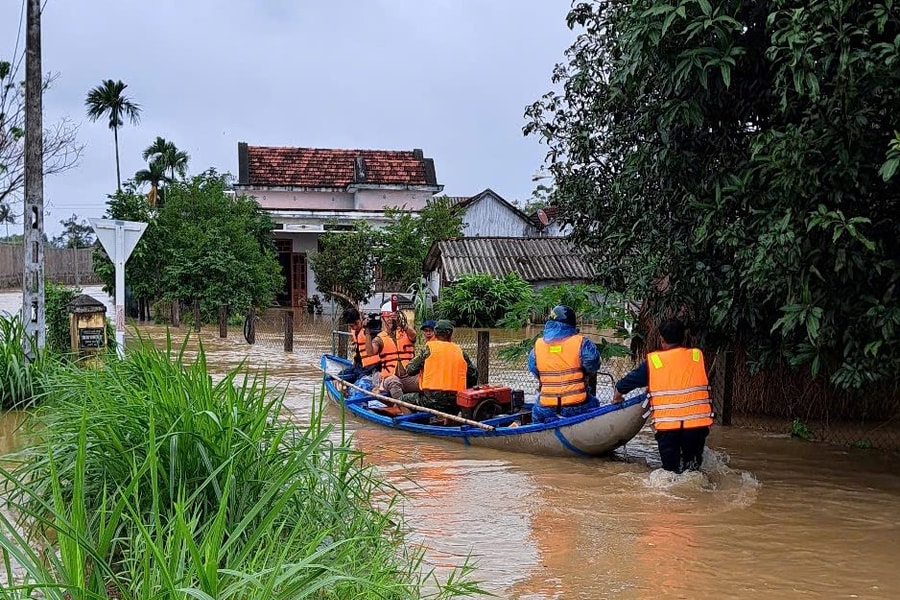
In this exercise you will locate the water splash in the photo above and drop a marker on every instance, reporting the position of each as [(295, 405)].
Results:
[(730, 488)]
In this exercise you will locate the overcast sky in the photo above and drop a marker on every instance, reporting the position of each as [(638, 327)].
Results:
[(452, 77)]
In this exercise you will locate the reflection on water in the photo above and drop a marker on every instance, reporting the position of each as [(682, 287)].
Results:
[(772, 517)]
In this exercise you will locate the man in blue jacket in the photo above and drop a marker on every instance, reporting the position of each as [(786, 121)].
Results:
[(561, 359)]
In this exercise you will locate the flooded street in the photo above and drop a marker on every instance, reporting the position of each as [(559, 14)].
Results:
[(772, 517)]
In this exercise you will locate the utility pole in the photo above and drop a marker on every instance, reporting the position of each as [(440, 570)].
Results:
[(33, 276)]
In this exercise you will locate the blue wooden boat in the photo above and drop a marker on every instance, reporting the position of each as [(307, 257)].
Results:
[(593, 433)]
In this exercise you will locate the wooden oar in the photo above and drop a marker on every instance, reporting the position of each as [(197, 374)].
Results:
[(415, 407)]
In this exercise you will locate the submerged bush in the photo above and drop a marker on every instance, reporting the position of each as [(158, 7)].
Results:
[(158, 482), (480, 300), (57, 297)]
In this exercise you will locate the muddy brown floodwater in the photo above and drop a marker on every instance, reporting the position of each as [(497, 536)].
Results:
[(771, 517)]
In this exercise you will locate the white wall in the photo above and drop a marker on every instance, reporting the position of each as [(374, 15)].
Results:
[(378, 199), (292, 200), (364, 199), (491, 218), (556, 229)]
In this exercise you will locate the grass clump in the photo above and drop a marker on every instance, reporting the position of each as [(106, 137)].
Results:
[(21, 381), (150, 480)]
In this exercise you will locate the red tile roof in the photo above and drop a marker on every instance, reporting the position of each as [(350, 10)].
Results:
[(552, 213), (323, 167)]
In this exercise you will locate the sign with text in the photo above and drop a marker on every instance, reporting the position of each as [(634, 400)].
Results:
[(90, 337)]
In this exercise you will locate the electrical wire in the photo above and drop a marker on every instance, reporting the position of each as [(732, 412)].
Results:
[(17, 62)]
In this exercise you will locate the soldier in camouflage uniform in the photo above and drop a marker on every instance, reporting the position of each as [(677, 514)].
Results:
[(442, 363)]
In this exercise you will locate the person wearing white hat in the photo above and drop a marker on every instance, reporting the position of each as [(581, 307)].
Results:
[(395, 346)]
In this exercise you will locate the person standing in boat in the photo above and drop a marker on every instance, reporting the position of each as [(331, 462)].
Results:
[(394, 346), (363, 362), (680, 407), (443, 369), (562, 359)]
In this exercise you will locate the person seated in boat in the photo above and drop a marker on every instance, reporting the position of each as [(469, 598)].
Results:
[(363, 362), (561, 359), (427, 330), (394, 346), (443, 370)]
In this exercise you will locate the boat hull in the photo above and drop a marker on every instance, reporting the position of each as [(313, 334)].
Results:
[(594, 433)]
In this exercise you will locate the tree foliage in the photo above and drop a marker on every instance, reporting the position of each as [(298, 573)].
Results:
[(109, 100), (165, 162), (344, 265), (155, 175), (76, 233), (735, 162), (402, 244), (167, 154), (57, 297), (61, 147), (604, 310), (218, 249), (202, 244)]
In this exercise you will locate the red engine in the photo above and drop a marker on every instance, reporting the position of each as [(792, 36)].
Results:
[(485, 401)]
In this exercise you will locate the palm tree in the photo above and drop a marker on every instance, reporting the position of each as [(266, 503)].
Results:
[(154, 174), (175, 160), (107, 99)]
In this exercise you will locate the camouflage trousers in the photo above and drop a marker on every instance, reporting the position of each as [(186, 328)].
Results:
[(442, 401)]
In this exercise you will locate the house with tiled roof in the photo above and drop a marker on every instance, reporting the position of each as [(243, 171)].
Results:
[(309, 190), (549, 222)]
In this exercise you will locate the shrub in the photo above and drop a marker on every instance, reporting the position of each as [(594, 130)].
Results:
[(56, 297), (479, 300)]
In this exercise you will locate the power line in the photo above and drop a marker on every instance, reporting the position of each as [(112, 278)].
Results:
[(17, 62)]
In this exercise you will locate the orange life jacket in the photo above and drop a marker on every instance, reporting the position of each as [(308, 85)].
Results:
[(392, 353), (678, 390), (444, 369), (359, 338), (560, 372)]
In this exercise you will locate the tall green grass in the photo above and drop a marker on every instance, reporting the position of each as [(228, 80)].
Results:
[(150, 480), (21, 381)]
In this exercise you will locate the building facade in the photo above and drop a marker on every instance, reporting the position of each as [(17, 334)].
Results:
[(308, 191)]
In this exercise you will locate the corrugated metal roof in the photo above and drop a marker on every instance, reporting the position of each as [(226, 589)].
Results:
[(535, 259)]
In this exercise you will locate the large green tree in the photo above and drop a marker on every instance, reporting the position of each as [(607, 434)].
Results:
[(202, 244), (155, 175), (172, 159), (401, 245), (734, 162), (109, 100), (218, 248), (344, 265)]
